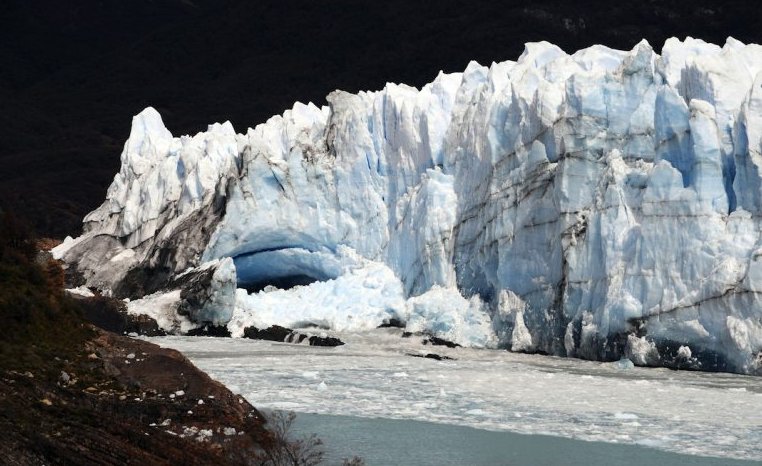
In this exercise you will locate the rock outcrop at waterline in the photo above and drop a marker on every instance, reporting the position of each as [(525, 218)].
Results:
[(597, 205)]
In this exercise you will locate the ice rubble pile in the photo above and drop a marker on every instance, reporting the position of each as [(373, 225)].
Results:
[(597, 205)]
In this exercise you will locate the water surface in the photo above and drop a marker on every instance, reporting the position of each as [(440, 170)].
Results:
[(373, 375), (392, 441)]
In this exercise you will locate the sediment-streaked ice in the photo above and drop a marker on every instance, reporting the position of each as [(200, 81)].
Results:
[(601, 204)]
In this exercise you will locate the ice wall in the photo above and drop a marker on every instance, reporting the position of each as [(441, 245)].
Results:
[(598, 205)]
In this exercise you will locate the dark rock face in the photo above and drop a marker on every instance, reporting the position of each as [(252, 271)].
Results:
[(436, 341), (434, 356), (325, 341), (286, 335), (273, 333), (431, 339), (210, 331)]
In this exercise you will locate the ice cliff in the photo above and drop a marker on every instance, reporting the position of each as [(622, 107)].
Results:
[(599, 205)]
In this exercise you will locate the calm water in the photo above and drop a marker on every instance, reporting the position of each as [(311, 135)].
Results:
[(374, 376), (392, 442)]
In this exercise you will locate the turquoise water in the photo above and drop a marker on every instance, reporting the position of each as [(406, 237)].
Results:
[(404, 442)]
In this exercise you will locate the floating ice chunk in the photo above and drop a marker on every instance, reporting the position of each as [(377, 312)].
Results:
[(161, 307), (624, 364), (640, 350), (684, 352), (445, 313), (521, 339)]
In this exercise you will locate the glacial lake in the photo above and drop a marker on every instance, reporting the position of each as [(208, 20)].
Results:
[(386, 442), (371, 398)]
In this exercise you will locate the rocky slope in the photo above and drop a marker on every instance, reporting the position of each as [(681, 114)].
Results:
[(125, 401), (71, 393)]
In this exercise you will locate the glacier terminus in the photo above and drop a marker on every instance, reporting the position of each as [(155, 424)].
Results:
[(601, 205)]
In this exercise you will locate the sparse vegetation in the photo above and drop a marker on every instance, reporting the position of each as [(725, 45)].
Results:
[(39, 322), (287, 450), (353, 461)]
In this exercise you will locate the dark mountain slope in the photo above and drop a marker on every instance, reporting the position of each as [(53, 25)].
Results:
[(74, 75)]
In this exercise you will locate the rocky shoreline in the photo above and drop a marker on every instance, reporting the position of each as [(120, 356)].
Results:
[(111, 314), (126, 401), (74, 393)]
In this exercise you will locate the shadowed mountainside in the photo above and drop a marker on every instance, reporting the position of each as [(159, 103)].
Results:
[(74, 75)]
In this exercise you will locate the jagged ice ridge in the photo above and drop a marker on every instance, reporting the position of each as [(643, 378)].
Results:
[(596, 205)]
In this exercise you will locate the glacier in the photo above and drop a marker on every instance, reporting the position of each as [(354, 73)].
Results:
[(598, 205)]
